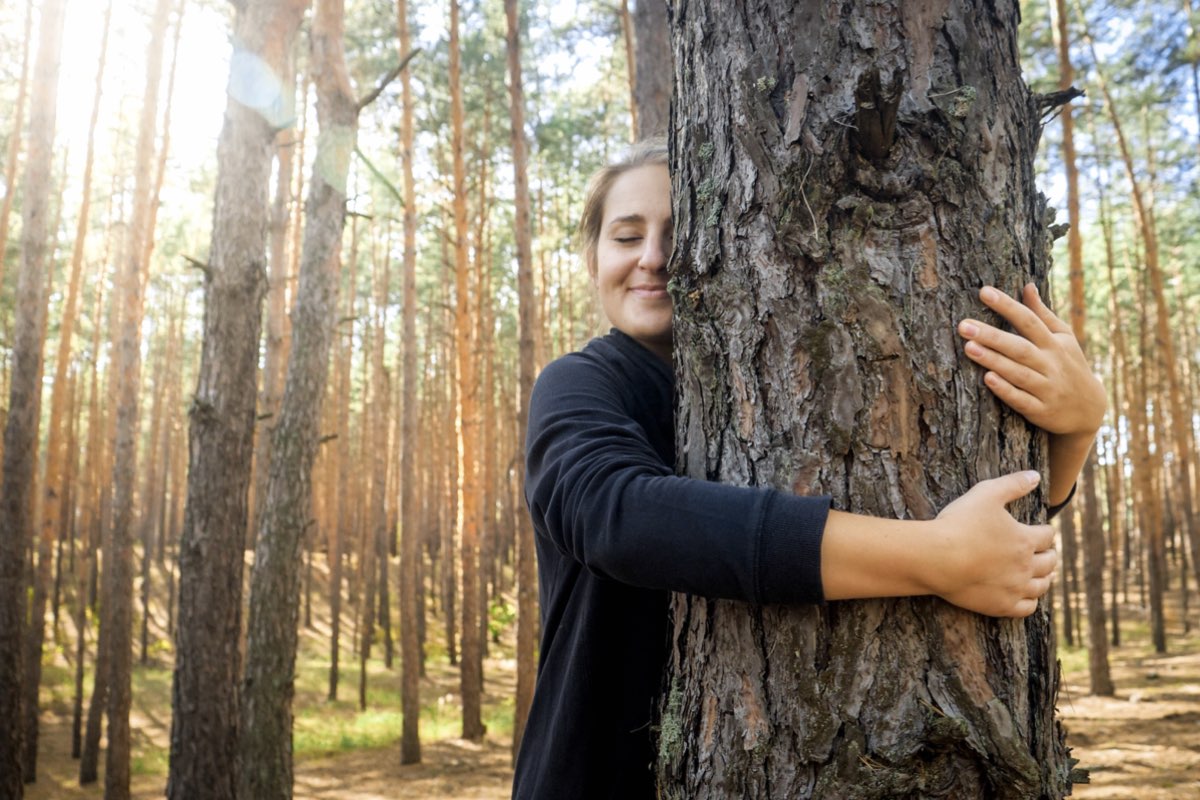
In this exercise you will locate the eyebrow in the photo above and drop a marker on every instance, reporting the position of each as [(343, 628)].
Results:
[(630, 218)]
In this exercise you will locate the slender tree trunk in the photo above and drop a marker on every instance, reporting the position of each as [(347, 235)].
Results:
[(1163, 340), (1119, 378), (410, 537), (54, 485), (1092, 532), (14, 141), (127, 365), (204, 722), (471, 671), (823, 246), (18, 484), (274, 592), (527, 611)]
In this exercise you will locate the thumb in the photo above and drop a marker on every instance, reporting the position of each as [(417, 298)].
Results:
[(1015, 485)]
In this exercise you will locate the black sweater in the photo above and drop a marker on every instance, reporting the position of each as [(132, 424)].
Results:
[(616, 531)]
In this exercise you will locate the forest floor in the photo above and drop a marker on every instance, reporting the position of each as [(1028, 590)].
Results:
[(1141, 744)]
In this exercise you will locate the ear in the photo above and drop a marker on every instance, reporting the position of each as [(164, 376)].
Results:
[(592, 267)]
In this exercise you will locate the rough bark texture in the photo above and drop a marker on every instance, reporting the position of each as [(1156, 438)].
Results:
[(849, 175), (18, 484), (204, 722), (266, 742), (652, 68)]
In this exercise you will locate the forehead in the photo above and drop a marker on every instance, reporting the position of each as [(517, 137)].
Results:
[(643, 191)]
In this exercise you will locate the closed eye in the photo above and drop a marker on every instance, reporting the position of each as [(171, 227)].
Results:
[(628, 239)]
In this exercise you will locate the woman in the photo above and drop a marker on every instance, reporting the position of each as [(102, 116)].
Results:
[(616, 530)]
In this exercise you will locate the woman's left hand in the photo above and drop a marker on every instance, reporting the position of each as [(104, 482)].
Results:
[(1039, 369)]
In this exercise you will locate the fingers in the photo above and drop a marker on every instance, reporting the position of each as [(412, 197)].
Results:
[(1014, 372), (1013, 486), (1028, 323), (1016, 348), (1045, 538), (1019, 400), (1034, 301), (1044, 564)]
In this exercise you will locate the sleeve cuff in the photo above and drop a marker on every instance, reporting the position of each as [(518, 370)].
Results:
[(789, 568), (1052, 512)]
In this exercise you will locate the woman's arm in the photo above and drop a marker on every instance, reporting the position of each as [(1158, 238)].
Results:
[(1041, 373), (973, 554)]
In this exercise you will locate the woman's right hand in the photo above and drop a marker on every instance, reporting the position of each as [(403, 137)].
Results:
[(986, 561)]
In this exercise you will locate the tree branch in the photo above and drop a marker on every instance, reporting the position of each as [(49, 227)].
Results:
[(391, 76)]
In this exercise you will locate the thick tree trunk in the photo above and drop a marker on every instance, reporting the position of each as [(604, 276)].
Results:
[(204, 722), (19, 481), (847, 176)]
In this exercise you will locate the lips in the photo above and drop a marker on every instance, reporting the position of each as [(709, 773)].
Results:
[(650, 290)]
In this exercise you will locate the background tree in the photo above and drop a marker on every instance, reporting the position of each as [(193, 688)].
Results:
[(208, 663), (17, 490), (877, 167)]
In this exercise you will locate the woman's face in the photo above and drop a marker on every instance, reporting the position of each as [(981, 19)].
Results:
[(631, 257)]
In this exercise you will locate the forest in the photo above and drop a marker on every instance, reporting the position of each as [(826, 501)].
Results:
[(276, 279)]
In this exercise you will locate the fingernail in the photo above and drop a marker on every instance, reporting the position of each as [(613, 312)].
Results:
[(1032, 477), (988, 294), (968, 329)]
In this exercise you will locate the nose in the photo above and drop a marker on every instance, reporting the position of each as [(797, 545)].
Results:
[(655, 252)]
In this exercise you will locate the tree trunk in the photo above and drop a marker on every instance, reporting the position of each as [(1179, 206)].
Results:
[(266, 748), (204, 722), (14, 141), (24, 401), (1092, 532), (1163, 341), (653, 68), (471, 671), (410, 537), (127, 366), (842, 178), (527, 612)]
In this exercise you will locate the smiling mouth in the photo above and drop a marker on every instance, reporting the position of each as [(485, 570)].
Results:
[(650, 290)]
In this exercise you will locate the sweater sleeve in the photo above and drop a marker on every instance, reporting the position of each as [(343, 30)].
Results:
[(601, 494)]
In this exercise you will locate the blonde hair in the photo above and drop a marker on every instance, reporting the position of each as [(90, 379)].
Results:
[(643, 153)]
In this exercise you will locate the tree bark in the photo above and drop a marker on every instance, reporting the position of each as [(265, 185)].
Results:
[(14, 141), (204, 722), (410, 537), (127, 366), (1092, 531), (652, 68), (846, 177), (467, 424), (275, 581), (527, 323), (19, 481)]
